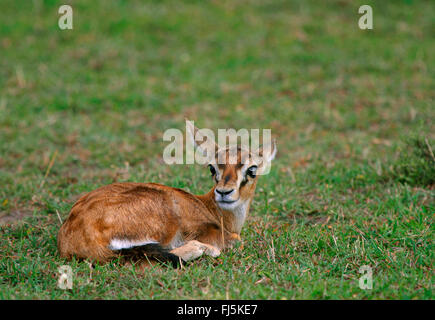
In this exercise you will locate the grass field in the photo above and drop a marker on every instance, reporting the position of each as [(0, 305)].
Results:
[(352, 110)]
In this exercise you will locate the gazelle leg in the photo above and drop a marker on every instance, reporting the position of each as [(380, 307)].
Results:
[(194, 249)]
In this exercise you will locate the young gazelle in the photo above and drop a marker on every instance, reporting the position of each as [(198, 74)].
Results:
[(164, 222)]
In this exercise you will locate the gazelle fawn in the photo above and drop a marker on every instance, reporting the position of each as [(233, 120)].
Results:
[(150, 219)]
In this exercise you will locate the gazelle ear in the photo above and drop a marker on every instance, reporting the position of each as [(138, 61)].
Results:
[(191, 131), (202, 139), (266, 153)]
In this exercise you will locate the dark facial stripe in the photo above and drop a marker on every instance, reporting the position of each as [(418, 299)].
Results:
[(244, 182), (227, 178)]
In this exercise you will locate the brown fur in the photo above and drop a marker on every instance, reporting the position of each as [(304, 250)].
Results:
[(139, 211), (136, 211)]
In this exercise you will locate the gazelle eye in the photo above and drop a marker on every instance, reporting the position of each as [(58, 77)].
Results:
[(212, 169), (252, 171)]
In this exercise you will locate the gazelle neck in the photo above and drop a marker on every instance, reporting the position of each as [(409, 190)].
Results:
[(233, 219)]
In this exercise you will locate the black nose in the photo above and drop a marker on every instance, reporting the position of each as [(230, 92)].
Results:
[(224, 192)]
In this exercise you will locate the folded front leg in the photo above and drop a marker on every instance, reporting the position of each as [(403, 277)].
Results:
[(194, 249)]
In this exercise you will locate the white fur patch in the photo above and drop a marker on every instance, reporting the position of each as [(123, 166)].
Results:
[(239, 210), (240, 216), (118, 244)]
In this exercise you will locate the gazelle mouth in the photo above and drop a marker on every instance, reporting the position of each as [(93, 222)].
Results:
[(228, 202)]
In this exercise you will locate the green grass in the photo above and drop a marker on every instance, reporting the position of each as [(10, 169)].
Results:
[(347, 187)]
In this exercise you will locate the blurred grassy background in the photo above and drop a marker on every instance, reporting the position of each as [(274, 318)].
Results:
[(352, 111)]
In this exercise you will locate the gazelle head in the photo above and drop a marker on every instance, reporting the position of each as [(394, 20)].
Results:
[(235, 169)]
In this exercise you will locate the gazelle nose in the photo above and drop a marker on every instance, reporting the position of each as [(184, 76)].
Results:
[(223, 193)]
